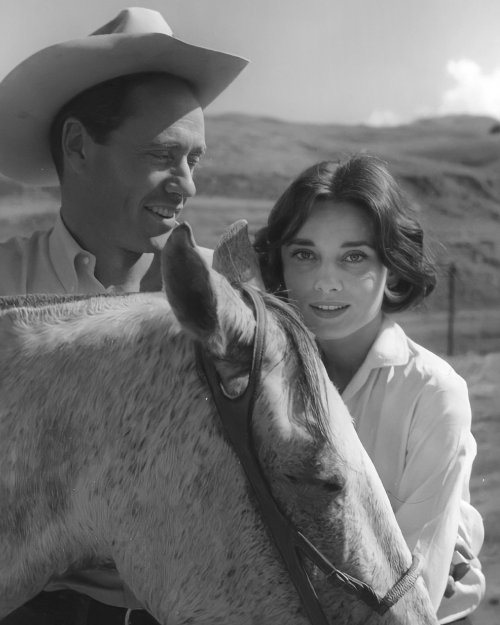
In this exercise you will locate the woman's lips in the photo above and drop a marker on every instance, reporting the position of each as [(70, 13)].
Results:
[(328, 310)]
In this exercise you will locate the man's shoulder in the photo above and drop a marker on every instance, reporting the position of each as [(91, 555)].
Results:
[(20, 245), (17, 256)]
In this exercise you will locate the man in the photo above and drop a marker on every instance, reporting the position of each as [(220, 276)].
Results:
[(117, 119)]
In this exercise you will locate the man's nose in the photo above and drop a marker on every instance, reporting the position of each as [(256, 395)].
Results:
[(181, 180)]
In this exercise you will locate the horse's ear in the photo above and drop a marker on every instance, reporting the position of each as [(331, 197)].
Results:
[(188, 284), (235, 258)]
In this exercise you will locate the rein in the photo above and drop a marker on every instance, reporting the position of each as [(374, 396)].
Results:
[(236, 416)]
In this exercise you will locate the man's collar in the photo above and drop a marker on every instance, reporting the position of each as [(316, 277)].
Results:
[(64, 250)]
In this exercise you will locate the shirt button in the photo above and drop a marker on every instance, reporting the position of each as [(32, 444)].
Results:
[(85, 260)]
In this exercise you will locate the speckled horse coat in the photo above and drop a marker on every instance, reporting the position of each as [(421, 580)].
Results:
[(111, 450)]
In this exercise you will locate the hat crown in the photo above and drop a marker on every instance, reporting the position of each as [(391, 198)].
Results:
[(135, 21)]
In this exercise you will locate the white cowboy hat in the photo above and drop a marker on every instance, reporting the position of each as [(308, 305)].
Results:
[(137, 40)]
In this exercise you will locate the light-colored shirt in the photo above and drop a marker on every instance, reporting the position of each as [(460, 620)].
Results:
[(412, 413), (48, 261), (52, 262)]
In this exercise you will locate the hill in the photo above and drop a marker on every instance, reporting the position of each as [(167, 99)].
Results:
[(450, 167)]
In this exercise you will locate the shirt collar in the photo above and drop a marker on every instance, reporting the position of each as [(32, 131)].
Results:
[(390, 348), (64, 252)]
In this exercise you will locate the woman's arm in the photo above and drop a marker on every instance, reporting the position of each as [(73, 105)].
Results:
[(434, 486)]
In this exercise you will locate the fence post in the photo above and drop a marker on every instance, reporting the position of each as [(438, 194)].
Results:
[(452, 272)]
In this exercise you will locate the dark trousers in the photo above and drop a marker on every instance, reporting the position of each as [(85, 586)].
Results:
[(66, 607)]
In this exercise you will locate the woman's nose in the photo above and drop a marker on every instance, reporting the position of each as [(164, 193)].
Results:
[(327, 282)]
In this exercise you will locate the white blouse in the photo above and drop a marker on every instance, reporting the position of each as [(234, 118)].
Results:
[(412, 414)]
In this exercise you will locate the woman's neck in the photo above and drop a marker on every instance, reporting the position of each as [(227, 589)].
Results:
[(343, 357)]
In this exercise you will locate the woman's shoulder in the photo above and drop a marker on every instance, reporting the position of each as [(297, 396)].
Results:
[(436, 388), (432, 370)]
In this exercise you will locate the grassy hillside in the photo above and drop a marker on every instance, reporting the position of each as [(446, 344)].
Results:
[(450, 167)]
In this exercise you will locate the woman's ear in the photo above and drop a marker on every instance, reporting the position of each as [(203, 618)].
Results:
[(392, 279)]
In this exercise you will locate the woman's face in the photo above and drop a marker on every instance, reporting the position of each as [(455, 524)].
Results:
[(333, 272)]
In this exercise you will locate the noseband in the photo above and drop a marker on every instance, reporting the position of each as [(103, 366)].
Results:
[(236, 416)]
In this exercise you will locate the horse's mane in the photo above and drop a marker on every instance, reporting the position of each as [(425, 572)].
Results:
[(36, 300), (309, 382)]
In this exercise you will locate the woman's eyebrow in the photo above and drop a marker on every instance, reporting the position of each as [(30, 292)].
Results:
[(360, 243), (300, 242), (309, 242)]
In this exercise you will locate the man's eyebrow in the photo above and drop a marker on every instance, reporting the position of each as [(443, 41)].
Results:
[(158, 144)]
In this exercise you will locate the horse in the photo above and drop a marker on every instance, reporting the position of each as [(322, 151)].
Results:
[(112, 451)]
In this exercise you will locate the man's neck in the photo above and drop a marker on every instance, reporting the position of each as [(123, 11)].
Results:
[(127, 271), (124, 271)]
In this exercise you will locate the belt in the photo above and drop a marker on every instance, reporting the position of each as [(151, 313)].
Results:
[(67, 607)]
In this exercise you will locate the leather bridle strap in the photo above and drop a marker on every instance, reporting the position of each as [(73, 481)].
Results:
[(236, 416)]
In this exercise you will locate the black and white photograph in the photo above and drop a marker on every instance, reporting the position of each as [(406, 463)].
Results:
[(250, 312)]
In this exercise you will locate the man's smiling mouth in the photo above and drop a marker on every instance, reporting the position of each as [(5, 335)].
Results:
[(167, 212)]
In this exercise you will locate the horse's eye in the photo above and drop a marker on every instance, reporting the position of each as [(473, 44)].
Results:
[(334, 485)]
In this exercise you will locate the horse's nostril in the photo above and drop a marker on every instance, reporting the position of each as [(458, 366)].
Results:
[(333, 487)]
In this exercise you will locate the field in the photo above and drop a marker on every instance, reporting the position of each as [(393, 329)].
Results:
[(451, 168)]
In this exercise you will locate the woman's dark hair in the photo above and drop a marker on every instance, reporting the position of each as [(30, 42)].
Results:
[(101, 109), (365, 182)]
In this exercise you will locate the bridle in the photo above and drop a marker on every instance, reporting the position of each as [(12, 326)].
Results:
[(236, 416)]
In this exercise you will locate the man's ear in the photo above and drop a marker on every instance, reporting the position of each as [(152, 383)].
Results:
[(74, 137)]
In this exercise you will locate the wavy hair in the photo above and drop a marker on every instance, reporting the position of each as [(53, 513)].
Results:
[(365, 182)]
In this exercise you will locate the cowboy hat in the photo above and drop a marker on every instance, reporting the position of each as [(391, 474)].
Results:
[(137, 40)]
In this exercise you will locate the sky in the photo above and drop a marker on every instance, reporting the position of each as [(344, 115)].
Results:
[(376, 62)]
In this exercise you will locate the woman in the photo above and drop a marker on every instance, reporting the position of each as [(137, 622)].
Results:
[(344, 246)]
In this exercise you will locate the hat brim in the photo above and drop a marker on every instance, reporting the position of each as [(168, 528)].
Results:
[(33, 93)]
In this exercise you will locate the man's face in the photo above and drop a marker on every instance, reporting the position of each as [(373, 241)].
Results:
[(139, 180)]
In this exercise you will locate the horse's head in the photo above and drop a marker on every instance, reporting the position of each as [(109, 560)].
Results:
[(306, 444)]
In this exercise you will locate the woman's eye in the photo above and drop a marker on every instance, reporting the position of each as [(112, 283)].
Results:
[(355, 257), (303, 255)]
